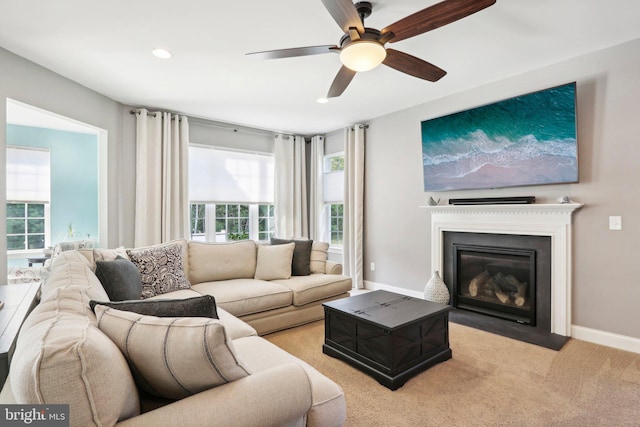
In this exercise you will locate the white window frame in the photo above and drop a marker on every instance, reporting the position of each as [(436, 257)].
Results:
[(21, 253), (332, 196), (211, 235)]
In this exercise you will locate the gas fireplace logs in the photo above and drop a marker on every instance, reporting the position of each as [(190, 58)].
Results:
[(504, 287)]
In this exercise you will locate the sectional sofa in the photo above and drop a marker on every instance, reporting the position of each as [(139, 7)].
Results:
[(116, 366)]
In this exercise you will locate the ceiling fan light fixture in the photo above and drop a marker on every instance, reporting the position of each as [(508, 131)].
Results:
[(363, 55)]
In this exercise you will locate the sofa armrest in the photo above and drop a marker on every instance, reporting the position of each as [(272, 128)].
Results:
[(332, 267), (274, 397)]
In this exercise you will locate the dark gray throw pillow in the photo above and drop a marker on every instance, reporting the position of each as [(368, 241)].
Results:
[(120, 278), (301, 263), (204, 306)]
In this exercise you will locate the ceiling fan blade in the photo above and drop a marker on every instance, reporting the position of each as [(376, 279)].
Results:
[(345, 14), (435, 16), (296, 51), (413, 66), (340, 83)]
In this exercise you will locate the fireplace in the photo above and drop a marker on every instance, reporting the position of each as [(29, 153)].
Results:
[(526, 249), (495, 281), (504, 276)]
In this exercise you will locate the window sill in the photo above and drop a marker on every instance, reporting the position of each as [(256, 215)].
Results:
[(28, 253), (335, 250)]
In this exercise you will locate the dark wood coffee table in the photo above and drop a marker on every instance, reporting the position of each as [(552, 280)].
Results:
[(389, 336)]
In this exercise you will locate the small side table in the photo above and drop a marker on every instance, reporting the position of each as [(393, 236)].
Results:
[(37, 260), (18, 301)]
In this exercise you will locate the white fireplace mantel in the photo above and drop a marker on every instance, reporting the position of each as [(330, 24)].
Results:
[(552, 220)]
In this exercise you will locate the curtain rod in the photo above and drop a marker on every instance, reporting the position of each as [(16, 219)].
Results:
[(173, 115), (235, 129), (307, 139)]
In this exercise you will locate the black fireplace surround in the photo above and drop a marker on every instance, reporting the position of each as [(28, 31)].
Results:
[(501, 283)]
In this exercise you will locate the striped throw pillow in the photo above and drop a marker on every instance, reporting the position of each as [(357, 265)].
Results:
[(173, 357)]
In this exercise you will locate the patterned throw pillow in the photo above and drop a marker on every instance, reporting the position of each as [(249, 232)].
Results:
[(173, 357), (161, 269)]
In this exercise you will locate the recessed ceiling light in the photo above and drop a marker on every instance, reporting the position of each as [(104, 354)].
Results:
[(322, 100), (161, 53)]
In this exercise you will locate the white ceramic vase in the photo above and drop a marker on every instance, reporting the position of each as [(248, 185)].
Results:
[(436, 290)]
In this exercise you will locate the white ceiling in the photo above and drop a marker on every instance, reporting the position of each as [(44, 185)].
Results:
[(107, 45)]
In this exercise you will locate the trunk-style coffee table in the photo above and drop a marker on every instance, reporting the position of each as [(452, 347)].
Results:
[(389, 336)]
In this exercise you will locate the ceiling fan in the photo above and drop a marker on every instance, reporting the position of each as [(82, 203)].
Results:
[(362, 48)]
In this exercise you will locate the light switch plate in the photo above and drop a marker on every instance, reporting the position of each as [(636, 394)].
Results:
[(615, 223)]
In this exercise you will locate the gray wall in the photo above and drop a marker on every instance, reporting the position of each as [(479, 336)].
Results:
[(605, 288), (32, 84)]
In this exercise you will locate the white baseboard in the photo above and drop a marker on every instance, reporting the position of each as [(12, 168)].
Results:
[(621, 342), (374, 286)]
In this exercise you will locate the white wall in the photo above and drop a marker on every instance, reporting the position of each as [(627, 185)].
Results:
[(606, 293)]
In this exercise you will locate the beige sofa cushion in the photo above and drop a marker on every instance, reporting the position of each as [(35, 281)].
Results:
[(246, 296), (274, 261), (327, 398), (71, 271), (62, 357), (173, 357), (221, 261), (235, 327), (316, 287)]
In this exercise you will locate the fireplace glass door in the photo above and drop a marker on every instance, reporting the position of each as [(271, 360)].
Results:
[(495, 281)]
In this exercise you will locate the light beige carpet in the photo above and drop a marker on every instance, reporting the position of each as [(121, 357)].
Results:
[(490, 381)]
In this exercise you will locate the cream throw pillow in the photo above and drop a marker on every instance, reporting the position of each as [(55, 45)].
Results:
[(173, 357), (274, 261), (319, 253)]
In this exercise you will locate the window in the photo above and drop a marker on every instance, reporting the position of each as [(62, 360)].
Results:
[(334, 197), (334, 163), (266, 222), (232, 222), (231, 194), (26, 226), (335, 223), (28, 193), (197, 221)]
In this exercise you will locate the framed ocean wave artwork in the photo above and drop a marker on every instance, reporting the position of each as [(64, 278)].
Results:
[(521, 141)]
